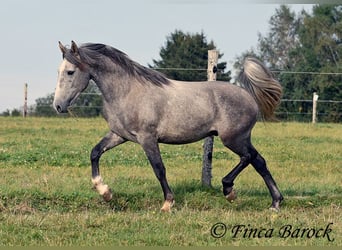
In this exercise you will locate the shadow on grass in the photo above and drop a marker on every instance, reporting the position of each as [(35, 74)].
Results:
[(188, 194), (191, 195)]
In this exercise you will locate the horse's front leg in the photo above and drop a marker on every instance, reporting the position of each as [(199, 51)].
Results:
[(152, 151), (109, 141)]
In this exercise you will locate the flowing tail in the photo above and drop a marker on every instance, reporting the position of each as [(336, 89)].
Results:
[(259, 82)]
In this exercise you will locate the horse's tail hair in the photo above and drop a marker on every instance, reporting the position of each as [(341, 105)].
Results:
[(260, 83)]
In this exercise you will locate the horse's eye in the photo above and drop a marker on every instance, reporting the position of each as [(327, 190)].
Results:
[(70, 72)]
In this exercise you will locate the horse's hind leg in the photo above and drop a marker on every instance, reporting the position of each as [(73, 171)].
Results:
[(259, 164), (228, 180), (240, 144), (248, 154), (109, 141)]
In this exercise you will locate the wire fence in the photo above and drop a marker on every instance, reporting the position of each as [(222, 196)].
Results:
[(302, 110), (288, 110)]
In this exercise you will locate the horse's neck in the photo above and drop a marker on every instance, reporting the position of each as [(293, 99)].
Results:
[(113, 87)]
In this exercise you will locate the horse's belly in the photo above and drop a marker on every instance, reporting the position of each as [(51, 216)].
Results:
[(183, 134), (177, 140)]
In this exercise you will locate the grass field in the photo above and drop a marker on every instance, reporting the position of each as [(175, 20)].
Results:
[(46, 197)]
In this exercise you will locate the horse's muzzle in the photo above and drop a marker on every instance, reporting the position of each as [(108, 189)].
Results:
[(60, 108)]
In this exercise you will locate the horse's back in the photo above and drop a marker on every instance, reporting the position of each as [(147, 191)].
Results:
[(224, 98), (197, 109)]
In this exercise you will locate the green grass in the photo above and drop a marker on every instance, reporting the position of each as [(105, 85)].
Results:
[(46, 197)]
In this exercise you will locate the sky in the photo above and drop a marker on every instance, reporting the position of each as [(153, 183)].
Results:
[(30, 31)]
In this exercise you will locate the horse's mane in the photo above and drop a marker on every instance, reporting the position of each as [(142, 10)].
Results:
[(91, 53)]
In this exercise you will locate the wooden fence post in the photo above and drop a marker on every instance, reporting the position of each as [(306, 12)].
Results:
[(314, 107), (25, 101), (209, 141)]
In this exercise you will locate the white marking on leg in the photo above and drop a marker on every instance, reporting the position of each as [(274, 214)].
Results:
[(167, 206), (100, 187)]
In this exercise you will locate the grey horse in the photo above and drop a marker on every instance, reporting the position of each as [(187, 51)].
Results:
[(143, 106)]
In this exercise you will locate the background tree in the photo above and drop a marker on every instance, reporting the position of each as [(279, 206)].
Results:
[(7, 112), (43, 106), (188, 51), (16, 112), (305, 43), (240, 59), (322, 40), (281, 39), (320, 48)]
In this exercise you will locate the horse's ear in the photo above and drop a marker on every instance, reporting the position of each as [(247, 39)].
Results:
[(74, 48), (62, 48)]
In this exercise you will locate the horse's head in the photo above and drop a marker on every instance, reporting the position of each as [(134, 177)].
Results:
[(73, 78)]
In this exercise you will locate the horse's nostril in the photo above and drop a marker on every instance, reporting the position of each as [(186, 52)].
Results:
[(59, 109)]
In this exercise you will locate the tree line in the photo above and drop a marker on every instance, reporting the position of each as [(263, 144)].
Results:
[(302, 49), (305, 52)]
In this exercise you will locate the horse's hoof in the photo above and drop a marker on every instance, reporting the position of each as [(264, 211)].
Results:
[(231, 196), (167, 206), (107, 196), (275, 206), (274, 209)]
